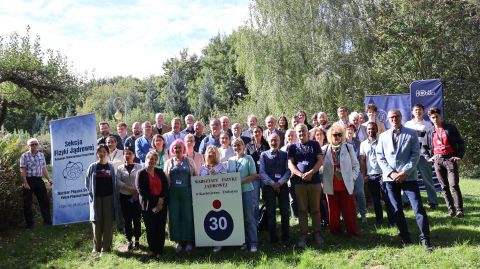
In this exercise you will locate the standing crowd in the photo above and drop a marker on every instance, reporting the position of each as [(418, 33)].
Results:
[(316, 170)]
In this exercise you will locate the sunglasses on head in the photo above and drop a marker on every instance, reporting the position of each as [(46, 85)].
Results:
[(337, 135)]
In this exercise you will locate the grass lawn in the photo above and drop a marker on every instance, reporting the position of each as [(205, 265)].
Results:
[(456, 241)]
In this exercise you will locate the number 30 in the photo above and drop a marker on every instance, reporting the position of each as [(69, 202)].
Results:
[(218, 223)]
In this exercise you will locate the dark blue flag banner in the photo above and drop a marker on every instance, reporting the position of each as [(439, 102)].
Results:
[(429, 93), (387, 102)]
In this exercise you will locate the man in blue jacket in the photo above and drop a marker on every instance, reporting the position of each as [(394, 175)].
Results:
[(398, 151)]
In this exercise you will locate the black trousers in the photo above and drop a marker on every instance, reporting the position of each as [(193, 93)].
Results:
[(155, 228), (270, 197), (131, 214), (37, 187)]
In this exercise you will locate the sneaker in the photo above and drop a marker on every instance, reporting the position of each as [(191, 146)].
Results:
[(243, 247), (188, 247), (253, 249), (433, 206), (302, 241), (318, 239), (426, 244), (217, 249), (460, 214), (406, 241), (129, 245), (137, 245), (178, 248)]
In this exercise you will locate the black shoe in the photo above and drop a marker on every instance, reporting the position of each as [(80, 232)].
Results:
[(130, 245), (137, 245), (433, 206), (30, 226), (406, 241), (426, 244)]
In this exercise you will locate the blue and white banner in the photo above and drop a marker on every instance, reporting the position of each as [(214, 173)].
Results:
[(386, 102), (74, 142), (429, 93)]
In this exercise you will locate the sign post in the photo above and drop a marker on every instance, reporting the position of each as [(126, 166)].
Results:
[(217, 210)]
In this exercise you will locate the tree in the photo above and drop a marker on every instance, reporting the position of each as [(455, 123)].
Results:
[(30, 75), (132, 99), (151, 103), (207, 100), (176, 94)]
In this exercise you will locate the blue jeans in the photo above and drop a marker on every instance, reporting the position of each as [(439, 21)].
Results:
[(255, 199), (359, 193), (248, 219), (411, 190), (425, 169)]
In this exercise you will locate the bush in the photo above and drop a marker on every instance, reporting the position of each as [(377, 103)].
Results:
[(11, 205)]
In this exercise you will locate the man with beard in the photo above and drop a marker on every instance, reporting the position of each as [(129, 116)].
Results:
[(105, 132)]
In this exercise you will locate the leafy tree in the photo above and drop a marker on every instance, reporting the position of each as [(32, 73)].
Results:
[(219, 63), (207, 100), (176, 94), (151, 98), (132, 99), (30, 76)]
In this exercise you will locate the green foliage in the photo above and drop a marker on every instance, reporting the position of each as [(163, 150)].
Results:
[(29, 76), (207, 100), (151, 103), (176, 94)]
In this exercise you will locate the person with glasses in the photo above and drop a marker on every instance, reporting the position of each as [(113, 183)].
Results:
[(245, 165), (32, 168), (340, 170), (398, 151)]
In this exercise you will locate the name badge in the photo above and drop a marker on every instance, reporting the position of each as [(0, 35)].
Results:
[(178, 182), (278, 176)]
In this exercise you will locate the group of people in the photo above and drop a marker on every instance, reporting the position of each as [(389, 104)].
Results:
[(317, 170)]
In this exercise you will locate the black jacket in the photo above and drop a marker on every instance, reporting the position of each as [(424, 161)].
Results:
[(454, 139), (142, 183)]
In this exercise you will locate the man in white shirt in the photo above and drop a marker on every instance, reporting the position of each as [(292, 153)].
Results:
[(419, 124)]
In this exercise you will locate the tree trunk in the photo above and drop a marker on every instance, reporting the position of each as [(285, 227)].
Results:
[(3, 110)]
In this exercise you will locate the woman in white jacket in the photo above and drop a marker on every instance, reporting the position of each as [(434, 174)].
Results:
[(340, 169)]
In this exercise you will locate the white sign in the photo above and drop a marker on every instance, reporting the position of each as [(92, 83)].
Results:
[(74, 141), (218, 210)]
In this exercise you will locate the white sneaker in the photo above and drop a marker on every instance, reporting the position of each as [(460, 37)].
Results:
[(178, 248), (253, 249), (217, 249)]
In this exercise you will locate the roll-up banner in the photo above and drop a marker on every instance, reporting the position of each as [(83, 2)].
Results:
[(429, 93), (73, 150)]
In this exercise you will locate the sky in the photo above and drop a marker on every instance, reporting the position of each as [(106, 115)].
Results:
[(107, 38)]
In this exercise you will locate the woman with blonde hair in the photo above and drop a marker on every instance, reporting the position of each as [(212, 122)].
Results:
[(340, 170), (191, 153), (179, 170)]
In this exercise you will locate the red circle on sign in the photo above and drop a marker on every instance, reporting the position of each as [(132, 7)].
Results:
[(217, 204)]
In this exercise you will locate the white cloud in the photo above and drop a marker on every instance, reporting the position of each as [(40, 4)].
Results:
[(122, 37)]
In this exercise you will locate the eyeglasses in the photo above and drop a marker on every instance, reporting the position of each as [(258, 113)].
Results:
[(337, 135), (33, 144)]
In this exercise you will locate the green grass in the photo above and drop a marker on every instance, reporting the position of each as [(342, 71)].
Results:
[(456, 241)]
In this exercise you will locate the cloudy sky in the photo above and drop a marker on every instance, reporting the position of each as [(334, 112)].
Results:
[(122, 37)]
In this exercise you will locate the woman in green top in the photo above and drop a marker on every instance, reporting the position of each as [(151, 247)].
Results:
[(158, 144), (179, 170), (245, 165)]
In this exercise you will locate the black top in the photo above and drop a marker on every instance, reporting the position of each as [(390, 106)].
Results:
[(454, 139), (103, 180), (142, 183), (103, 140), (254, 151)]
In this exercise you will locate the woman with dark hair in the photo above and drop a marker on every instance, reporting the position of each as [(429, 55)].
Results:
[(179, 170), (158, 144), (126, 175), (152, 186), (100, 184), (302, 118), (282, 124), (254, 149)]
